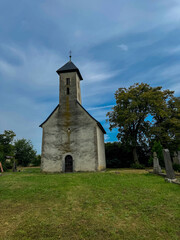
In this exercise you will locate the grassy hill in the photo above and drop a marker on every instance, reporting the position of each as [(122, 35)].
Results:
[(123, 204)]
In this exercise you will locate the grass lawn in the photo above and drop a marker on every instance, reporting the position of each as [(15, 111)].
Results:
[(120, 204)]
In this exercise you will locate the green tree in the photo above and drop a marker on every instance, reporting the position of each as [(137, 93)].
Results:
[(6, 146), (24, 152), (36, 161), (157, 147), (167, 127), (134, 105)]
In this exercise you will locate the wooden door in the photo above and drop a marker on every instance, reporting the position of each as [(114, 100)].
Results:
[(68, 163)]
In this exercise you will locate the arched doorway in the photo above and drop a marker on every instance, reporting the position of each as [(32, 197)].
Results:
[(68, 163)]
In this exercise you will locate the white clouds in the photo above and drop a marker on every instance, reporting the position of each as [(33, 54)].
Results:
[(37, 69), (6, 68), (97, 108), (36, 49), (123, 47), (93, 22), (94, 71), (173, 50), (171, 71)]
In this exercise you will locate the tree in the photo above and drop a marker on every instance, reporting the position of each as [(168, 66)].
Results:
[(167, 127), (157, 147), (117, 156), (24, 152), (36, 161), (137, 109), (6, 145)]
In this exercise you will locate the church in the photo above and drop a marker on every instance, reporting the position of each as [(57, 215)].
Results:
[(72, 140)]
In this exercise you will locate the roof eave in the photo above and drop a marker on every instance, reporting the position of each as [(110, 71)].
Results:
[(98, 123), (71, 70), (49, 116)]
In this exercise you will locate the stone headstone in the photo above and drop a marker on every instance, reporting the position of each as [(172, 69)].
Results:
[(178, 157), (168, 164), (156, 166), (14, 166), (175, 158)]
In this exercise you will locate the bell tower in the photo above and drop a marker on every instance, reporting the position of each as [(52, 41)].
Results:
[(69, 83), (73, 141)]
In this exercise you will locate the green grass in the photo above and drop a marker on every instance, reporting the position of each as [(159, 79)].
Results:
[(109, 205)]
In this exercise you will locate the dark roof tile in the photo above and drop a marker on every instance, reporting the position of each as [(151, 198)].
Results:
[(69, 67)]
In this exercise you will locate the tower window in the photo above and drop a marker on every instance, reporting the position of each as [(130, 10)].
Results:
[(67, 91), (67, 81)]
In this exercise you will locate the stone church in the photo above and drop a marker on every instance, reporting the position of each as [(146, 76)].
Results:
[(72, 139)]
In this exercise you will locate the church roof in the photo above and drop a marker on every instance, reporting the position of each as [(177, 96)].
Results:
[(49, 115), (69, 67), (98, 123)]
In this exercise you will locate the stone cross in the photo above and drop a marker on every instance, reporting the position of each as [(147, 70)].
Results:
[(156, 166), (168, 164), (175, 158)]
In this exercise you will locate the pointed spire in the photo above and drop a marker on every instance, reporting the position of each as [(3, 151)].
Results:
[(70, 55), (69, 67)]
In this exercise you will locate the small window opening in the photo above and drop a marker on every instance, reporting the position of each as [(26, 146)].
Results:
[(67, 91), (67, 81)]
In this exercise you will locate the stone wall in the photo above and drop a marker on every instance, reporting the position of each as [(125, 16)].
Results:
[(101, 150), (70, 130)]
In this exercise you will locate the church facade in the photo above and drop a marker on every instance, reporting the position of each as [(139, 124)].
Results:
[(72, 140)]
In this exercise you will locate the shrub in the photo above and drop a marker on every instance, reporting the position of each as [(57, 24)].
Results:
[(36, 161), (176, 167), (157, 147), (137, 166)]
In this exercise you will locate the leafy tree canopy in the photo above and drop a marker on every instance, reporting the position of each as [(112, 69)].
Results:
[(25, 153), (6, 146), (139, 108)]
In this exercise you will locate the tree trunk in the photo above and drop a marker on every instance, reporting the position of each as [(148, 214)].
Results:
[(135, 156)]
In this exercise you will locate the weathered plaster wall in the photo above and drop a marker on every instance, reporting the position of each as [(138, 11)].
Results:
[(50, 158), (101, 150), (78, 89), (80, 142)]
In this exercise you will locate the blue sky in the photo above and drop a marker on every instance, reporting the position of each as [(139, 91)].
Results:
[(114, 44)]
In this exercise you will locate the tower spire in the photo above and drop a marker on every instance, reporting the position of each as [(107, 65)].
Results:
[(70, 55)]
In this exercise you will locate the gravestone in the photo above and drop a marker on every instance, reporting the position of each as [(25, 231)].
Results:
[(14, 169), (178, 157), (156, 166), (168, 164), (175, 158)]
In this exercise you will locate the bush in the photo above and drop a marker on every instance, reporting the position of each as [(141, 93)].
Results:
[(36, 161), (150, 161), (120, 156), (117, 156), (176, 167), (137, 166), (25, 154), (157, 147)]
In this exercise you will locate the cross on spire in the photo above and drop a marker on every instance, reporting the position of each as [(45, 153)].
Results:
[(70, 55)]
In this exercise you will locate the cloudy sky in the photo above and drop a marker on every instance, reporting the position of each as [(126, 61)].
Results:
[(114, 44)]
